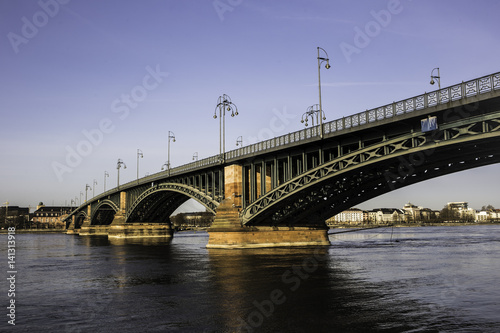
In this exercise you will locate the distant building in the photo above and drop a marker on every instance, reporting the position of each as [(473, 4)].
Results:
[(16, 216), (387, 215), (50, 216), (412, 212), (351, 216), (415, 213), (463, 209), (462, 205), (488, 215), (192, 220)]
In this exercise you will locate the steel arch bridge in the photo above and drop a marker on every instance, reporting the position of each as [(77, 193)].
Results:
[(303, 178)]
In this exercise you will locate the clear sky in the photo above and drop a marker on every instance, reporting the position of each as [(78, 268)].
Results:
[(86, 82)]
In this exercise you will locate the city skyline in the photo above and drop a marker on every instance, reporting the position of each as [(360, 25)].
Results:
[(88, 83)]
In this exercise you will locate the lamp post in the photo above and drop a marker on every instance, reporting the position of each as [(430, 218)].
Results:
[(76, 201), (118, 166), (327, 66), (437, 77), (239, 141), (171, 135), (195, 156), (81, 195), (224, 104), (87, 187), (313, 110), (141, 155), (93, 188), (106, 174)]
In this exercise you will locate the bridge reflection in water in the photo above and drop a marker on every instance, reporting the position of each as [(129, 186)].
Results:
[(279, 192)]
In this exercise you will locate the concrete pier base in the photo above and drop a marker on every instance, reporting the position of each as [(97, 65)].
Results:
[(253, 237), (228, 233), (94, 230), (138, 230)]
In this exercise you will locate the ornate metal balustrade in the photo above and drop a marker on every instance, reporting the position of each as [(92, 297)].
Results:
[(456, 92)]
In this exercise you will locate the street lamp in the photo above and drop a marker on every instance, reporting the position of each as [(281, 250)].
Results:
[(171, 135), (106, 174), (93, 188), (224, 104), (141, 155), (81, 195), (87, 187), (118, 166), (311, 112), (327, 66), (239, 141), (437, 77), (195, 156)]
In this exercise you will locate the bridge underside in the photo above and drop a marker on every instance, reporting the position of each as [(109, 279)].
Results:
[(157, 207)]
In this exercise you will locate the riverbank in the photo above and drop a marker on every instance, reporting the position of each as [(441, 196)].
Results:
[(405, 225), (36, 231)]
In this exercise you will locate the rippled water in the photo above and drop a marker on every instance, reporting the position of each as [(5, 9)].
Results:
[(430, 279)]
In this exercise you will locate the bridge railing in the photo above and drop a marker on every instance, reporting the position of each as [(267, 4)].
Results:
[(470, 88), (456, 92)]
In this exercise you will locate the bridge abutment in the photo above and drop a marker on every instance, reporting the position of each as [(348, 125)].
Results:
[(227, 232)]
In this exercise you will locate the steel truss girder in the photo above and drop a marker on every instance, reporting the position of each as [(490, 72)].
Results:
[(169, 190), (305, 195)]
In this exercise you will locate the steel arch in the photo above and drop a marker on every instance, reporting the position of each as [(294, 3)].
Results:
[(185, 190), (97, 209)]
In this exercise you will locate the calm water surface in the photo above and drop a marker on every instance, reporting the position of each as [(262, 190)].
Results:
[(430, 279)]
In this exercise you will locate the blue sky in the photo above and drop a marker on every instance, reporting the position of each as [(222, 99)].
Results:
[(69, 69)]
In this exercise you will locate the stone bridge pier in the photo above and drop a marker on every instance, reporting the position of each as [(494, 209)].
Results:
[(119, 228), (228, 232)]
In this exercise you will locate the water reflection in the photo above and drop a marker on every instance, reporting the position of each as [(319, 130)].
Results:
[(268, 289), (146, 241), (362, 283)]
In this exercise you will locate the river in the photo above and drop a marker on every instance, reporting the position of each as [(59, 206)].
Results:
[(422, 279)]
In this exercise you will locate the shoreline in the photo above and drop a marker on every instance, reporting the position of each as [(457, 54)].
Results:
[(408, 225), (35, 231), (346, 226)]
